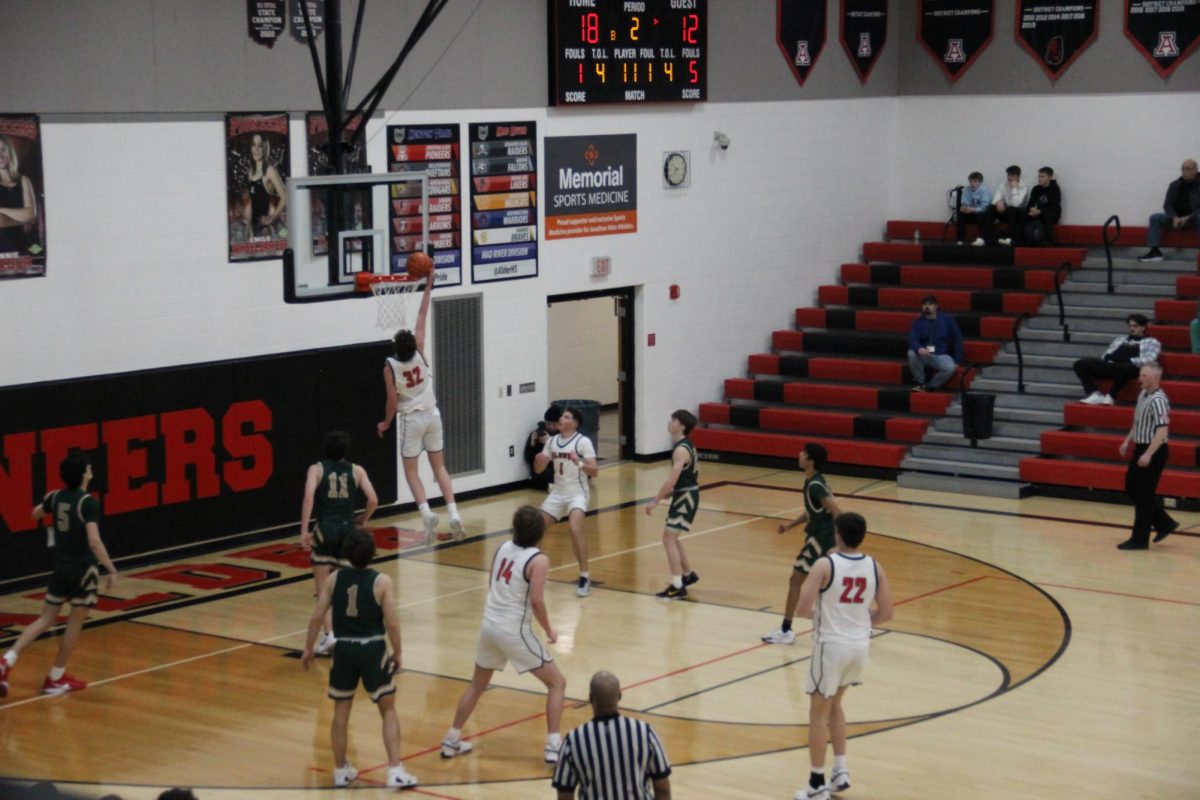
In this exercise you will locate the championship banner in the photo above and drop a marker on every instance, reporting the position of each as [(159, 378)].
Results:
[(316, 18), (22, 198), (1056, 33), (434, 150), (503, 201), (955, 32), (357, 208), (591, 186), (266, 20), (864, 32), (1164, 32), (256, 173), (800, 33)]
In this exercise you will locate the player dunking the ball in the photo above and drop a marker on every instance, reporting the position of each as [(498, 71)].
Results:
[(411, 401), (331, 490), (364, 621), (819, 510), (683, 487), (574, 458), (838, 597), (516, 596), (78, 552)]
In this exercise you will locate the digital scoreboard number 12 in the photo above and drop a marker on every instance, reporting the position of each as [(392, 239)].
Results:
[(627, 51)]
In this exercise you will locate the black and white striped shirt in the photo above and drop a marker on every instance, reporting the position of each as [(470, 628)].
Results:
[(1153, 412), (611, 758)]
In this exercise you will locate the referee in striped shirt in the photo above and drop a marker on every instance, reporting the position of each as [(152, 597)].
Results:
[(612, 757), (1149, 437)]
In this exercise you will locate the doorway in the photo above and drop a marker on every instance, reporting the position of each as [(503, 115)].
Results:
[(598, 362)]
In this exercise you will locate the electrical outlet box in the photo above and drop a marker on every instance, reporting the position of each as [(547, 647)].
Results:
[(527, 388), (512, 451)]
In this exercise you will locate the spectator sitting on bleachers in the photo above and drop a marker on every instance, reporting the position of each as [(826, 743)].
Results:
[(1121, 362), (1043, 211), (976, 206), (933, 341), (1181, 209), (1010, 200)]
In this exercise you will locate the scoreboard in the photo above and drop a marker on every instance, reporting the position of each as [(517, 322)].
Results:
[(627, 51)]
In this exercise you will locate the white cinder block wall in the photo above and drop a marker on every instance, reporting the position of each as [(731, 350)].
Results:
[(1111, 154), (138, 277)]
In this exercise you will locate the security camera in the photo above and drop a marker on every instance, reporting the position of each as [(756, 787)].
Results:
[(721, 139)]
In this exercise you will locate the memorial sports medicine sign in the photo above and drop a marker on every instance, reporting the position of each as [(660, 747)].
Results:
[(1056, 33), (955, 32), (1164, 32), (591, 185)]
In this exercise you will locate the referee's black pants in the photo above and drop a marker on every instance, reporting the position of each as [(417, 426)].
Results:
[(1141, 484)]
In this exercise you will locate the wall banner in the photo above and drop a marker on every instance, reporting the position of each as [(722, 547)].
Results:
[(591, 186), (433, 149), (1056, 33), (316, 19), (954, 32), (503, 201), (864, 32), (265, 19), (22, 198), (1164, 32), (257, 166), (357, 206), (800, 34)]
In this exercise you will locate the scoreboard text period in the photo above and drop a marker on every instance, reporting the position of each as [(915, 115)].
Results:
[(627, 51)]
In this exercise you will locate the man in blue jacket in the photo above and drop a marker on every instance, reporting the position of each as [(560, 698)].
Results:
[(933, 341)]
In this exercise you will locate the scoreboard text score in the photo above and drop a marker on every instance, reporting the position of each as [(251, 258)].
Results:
[(627, 51)]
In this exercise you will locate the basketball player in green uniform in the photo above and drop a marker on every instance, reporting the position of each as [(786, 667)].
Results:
[(819, 511), (683, 487), (78, 553), (364, 622), (331, 491)]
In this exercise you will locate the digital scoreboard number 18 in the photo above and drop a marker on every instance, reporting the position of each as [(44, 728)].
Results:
[(627, 51)]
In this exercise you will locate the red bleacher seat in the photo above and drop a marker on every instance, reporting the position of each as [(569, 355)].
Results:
[(844, 451), (1107, 476)]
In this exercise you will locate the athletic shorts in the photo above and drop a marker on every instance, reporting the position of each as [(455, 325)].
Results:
[(683, 510), (368, 662), (74, 582), (498, 647), (808, 555), (328, 538), (834, 666), (559, 504), (419, 430)]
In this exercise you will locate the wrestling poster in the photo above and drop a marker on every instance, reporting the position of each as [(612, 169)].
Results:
[(22, 198), (257, 166)]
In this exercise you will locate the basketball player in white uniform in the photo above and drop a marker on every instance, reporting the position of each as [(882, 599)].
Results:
[(574, 458), (516, 595), (838, 597), (410, 399)]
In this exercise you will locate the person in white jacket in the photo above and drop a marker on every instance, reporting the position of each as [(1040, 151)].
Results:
[(1010, 200)]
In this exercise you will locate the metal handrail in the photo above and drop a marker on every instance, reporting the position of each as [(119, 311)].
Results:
[(1062, 312), (1020, 356), (967, 368), (1108, 248)]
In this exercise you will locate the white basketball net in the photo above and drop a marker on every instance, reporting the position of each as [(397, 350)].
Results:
[(394, 302)]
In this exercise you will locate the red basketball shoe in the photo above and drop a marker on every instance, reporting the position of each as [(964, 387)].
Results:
[(67, 683)]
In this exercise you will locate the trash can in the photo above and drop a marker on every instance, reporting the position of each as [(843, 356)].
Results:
[(590, 411), (978, 414)]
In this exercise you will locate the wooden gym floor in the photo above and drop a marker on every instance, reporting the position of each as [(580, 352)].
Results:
[(1028, 657)]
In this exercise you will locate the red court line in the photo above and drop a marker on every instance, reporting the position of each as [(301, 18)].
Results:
[(939, 591), (1116, 594)]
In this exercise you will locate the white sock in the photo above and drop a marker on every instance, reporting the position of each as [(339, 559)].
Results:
[(585, 575), (553, 739), (56, 673), (424, 509), (452, 509), (454, 735), (839, 763), (677, 581), (11, 658)]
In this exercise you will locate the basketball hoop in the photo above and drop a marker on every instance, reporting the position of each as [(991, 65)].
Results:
[(394, 297)]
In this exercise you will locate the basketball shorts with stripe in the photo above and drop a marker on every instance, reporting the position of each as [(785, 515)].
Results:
[(518, 645), (559, 504), (365, 662), (834, 666), (74, 582), (682, 511), (420, 431)]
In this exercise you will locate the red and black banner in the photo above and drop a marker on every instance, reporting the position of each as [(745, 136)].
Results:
[(266, 19), (257, 166), (955, 32), (434, 150), (800, 34), (355, 205), (864, 32), (1056, 33), (189, 454), (1165, 33), (22, 198)]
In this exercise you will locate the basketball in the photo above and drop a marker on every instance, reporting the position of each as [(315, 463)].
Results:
[(418, 265)]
